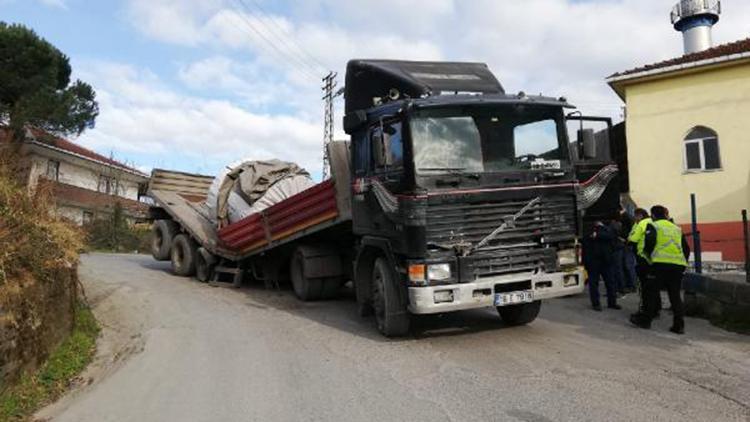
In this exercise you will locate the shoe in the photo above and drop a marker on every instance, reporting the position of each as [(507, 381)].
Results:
[(597, 308), (677, 330), (615, 306), (638, 321)]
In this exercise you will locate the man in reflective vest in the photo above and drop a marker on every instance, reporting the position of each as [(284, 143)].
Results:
[(667, 250), (637, 241)]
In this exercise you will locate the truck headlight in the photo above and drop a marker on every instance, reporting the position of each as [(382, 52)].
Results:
[(438, 272), (567, 257)]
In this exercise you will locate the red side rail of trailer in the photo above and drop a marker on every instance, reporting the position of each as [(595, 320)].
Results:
[(298, 212)]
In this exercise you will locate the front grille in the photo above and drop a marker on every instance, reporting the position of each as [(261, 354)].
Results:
[(523, 246)]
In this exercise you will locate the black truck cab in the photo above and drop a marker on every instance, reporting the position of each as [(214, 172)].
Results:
[(471, 194)]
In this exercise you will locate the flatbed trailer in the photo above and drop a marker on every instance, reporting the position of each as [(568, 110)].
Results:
[(319, 211)]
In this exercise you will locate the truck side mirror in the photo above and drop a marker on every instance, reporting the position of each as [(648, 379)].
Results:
[(587, 143), (378, 149)]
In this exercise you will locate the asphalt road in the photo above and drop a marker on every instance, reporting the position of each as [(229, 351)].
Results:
[(174, 349)]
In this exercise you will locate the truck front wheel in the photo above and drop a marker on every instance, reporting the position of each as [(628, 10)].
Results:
[(391, 316), (520, 314), (184, 250)]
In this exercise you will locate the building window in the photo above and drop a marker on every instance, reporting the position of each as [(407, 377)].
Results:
[(88, 216), (53, 170), (702, 150), (107, 185)]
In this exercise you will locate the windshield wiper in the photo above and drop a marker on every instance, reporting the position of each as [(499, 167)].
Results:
[(448, 169), (453, 171)]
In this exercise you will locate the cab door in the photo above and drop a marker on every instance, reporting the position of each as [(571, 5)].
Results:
[(378, 177)]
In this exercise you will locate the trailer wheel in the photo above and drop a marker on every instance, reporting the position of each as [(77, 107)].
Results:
[(184, 251), (331, 287), (162, 235), (392, 318), (305, 288), (520, 314), (204, 265)]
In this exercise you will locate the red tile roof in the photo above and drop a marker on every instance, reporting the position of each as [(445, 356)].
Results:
[(67, 146), (737, 47)]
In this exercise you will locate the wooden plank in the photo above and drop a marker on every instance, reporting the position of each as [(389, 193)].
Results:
[(177, 181), (180, 189), (165, 180)]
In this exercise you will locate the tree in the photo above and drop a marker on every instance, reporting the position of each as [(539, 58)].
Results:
[(35, 87)]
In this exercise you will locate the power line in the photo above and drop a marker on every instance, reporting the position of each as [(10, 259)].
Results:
[(292, 57), (284, 56), (285, 35)]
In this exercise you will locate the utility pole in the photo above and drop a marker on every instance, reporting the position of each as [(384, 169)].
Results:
[(329, 85)]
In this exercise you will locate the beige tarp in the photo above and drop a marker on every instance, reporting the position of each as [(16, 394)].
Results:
[(255, 185)]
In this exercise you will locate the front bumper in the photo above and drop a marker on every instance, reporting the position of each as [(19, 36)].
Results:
[(481, 294)]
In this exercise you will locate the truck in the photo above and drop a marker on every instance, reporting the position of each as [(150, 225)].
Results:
[(449, 195)]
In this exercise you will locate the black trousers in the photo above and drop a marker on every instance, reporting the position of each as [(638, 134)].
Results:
[(669, 277), (647, 281)]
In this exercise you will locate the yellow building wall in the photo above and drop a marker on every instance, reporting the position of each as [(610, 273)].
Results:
[(660, 114)]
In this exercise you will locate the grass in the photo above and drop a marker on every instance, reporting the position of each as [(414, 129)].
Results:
[(35, 390)]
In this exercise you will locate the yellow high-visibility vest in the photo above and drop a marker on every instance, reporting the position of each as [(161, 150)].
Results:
[(638, 236), (668, 248)]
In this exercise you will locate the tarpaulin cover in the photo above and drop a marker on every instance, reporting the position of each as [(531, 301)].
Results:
[(368, 79), (248, 187)]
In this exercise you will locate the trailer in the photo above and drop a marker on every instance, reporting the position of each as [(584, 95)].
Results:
[(320, 215), (450, 195)]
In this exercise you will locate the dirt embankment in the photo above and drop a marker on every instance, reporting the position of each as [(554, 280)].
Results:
[(35, 316), (38, 281)]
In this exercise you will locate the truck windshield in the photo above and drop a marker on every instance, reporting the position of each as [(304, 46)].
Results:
[(497, 139)]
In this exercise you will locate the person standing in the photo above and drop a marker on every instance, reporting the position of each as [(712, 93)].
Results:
[(637, 242), (628, 256), (618, 250), (597, 259), (668, 251)]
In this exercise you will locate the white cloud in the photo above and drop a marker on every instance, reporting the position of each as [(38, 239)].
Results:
[(140, 115), (54, 3), (246, 97)]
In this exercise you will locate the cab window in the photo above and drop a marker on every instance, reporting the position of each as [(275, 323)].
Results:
[(388, 139)]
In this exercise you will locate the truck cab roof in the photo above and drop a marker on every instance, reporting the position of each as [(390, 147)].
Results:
[(376, 88)]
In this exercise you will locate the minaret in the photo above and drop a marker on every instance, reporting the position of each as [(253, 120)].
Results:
[(695, 18)]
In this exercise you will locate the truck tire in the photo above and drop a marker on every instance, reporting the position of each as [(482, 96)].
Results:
[(520, 314), (331, 287), (391, 316), (204, 265), (305, 288), (162, 235), (184, 251)]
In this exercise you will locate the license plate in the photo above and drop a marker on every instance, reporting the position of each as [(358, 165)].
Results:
[(511, 298)]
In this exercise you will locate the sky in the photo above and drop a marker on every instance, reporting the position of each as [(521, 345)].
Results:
[(193, 85)]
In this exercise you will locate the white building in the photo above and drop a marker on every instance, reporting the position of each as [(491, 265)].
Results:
[(85, 185)]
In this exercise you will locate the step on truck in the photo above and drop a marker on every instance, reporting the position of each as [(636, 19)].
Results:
[(449, 195)]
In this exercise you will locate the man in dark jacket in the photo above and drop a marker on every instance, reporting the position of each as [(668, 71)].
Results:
[(668, 251), (598, 260), (628, 255)]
